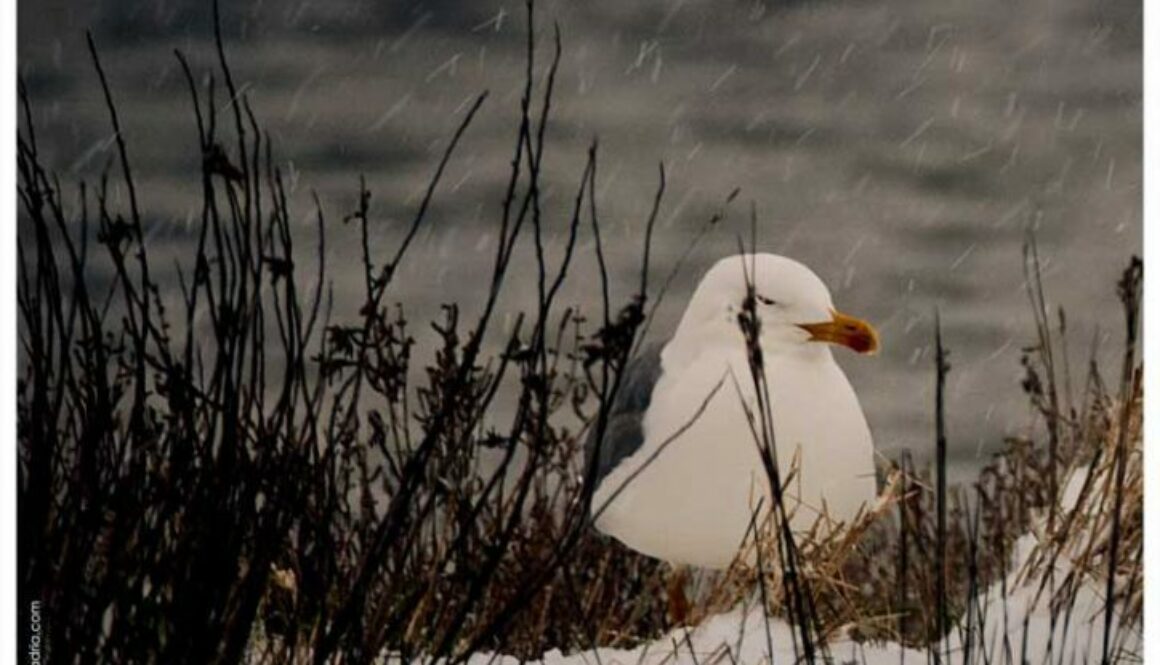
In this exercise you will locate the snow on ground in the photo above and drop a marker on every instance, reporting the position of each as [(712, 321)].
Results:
[(735, 636), (1014, 622), (739, 636)]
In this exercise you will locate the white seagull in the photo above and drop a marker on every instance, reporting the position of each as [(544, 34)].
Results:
[(679, 473)]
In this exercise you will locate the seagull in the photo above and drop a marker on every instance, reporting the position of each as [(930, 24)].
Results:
[(679, 474)]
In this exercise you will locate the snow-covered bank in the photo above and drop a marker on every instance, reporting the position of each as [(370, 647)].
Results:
[(1018, 625), (1014, 626)]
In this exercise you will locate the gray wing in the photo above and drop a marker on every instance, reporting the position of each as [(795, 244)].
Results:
[(624, 433)]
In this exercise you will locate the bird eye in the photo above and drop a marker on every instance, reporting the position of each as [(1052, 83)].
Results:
[(766, 301)]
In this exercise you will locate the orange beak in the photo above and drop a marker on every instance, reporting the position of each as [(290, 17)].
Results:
[(845, 330)]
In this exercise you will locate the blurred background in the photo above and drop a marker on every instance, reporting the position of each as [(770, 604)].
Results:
[(903, 150)]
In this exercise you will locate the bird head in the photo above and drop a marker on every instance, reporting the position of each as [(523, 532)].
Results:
[(793, 306)]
